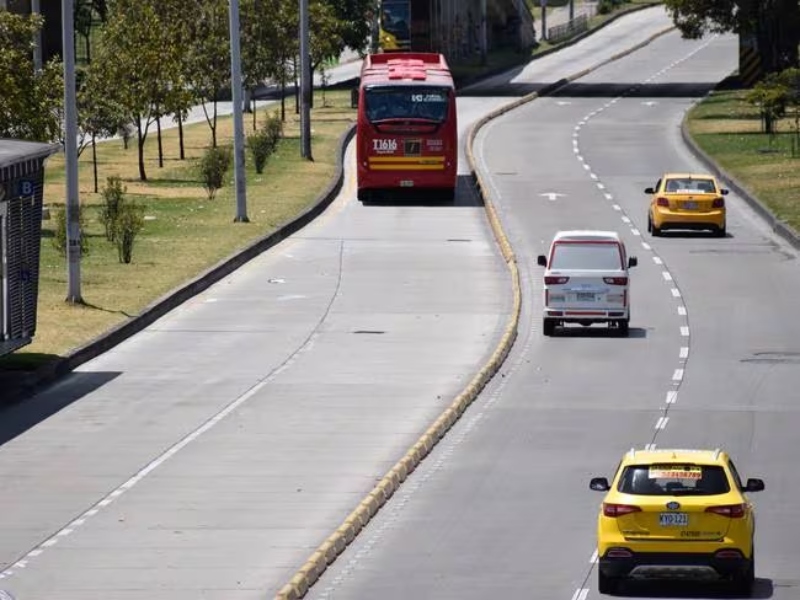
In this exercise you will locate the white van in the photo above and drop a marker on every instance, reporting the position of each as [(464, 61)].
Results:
[(586, 280)]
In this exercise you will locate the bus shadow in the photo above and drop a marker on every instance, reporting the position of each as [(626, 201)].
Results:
[(578, 89), (467, 196)]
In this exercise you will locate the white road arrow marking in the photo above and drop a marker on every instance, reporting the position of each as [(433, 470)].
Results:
[(650, 103), (563, 103), (552, 196)]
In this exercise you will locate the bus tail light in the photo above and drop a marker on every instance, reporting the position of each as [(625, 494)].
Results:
[(616, 280)]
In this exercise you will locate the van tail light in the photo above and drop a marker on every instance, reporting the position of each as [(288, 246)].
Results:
[(619, 510), (553, 280), (734, 511), (616, 280), (718, 203), (662, 202)]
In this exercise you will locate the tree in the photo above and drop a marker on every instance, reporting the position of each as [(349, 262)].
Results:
[(774, 24), (354, 21), (31, 104)]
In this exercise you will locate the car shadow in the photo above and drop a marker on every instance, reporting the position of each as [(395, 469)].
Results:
[(688, 233), (763, 588), (578, 331)]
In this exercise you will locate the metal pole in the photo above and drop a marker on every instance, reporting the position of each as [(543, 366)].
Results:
[(238, 119), (571, 10), (305, 84), (37, 48), (71, 155), (543, 34)]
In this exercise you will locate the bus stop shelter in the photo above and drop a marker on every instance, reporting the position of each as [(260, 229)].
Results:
[(21, 184)]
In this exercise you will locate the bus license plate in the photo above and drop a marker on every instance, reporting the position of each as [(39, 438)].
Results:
[(406, 183), (673, 519), (585, 296)]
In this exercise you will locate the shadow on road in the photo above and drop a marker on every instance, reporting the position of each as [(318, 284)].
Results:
[(700, 591)]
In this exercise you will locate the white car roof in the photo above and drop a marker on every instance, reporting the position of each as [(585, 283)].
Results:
[(587, 235)]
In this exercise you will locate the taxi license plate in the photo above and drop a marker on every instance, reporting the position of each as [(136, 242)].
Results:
[(406, 183), (585, 296), (673, 519), (690, 205)]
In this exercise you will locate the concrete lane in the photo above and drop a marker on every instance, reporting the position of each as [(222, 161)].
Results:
[(210, 454), (503, 508)]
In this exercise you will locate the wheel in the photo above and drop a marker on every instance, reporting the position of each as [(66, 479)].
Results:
[(548, 327), (656, 231), (744, 582), (606, 584), (649, 223), (721, 231), (364, 195), (623, 328)]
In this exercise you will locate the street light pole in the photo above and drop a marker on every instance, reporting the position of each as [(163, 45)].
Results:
[(238, 118), (571, 10), (305, 84), (71, 156), (37, 48), (543, 35)]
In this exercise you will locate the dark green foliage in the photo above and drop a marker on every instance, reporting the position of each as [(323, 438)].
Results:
[(114, 198), (127, 225), (214, 165), (263, 142)]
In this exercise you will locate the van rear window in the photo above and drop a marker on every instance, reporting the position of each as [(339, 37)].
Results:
[(589, 256)]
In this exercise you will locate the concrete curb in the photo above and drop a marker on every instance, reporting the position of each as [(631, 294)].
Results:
[(780, 227), (57, 369), (335, 544)]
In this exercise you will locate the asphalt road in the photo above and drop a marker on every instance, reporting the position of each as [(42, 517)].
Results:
[(502, 508)]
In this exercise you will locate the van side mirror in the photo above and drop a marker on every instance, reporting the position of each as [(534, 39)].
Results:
[(599, 484), (754, 485), (649, 191), (541, 260), (632, 261), (724, 192)]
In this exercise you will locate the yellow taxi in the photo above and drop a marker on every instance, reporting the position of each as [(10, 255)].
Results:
[(676, 514), (686, 201)]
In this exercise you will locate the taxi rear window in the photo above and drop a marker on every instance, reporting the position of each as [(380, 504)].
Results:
[(674, 480), (690, 186)]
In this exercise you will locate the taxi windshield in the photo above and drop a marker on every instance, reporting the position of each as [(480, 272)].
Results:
[(429, 103), (674, 480)]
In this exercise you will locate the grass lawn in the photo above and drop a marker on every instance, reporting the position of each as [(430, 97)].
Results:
[(184, 232), (729, 130)]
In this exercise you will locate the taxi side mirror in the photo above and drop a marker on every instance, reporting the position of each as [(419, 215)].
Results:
[(541, 260), (754, 485), (724, 192), (632, 261), (649, 191), (599, 484)]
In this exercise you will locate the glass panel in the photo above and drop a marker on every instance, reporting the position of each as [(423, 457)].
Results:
[(588, 256), (415, 102), (674, 480)]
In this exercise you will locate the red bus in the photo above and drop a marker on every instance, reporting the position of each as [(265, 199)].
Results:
[(407, 131)]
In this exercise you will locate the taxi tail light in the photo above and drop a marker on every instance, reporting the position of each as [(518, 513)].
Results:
[(734, 554), (619, 553), (616, 280), (662, 202), (734, 511), (619, 510), (718, 203), (553, 280)]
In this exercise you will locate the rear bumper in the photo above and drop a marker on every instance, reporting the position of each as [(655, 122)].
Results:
[(582, 315), (406, 179), (647, 565), (667, 219)]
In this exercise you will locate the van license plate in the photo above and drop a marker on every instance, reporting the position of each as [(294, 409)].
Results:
[(585, 296), (406, 183), (673, 519)]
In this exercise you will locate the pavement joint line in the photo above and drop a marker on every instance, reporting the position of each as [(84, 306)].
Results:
[(298, 586)]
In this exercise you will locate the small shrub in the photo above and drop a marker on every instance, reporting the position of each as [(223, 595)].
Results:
[(262, 146), (274, 125), (127, 225), (214, 166), (605, 6), (59, 238), (113, 197)]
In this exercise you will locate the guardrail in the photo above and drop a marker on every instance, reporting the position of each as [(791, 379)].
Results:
[(571, 28)]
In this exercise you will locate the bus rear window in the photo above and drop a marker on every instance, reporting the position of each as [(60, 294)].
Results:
[(413, 102)]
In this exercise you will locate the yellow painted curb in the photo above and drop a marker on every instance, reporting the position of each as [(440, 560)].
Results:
[(308, 574)]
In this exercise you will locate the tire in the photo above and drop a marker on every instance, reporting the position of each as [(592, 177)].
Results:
[(649, 223), (721, 231), (606, 584), (744, 582), (548, 327), (624, 328), (656, 231)]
